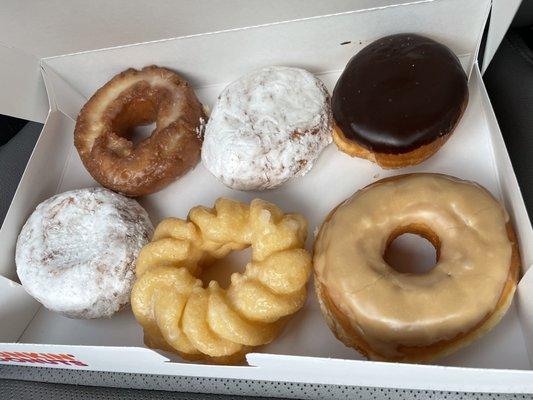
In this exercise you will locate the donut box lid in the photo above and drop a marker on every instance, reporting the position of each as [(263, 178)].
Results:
[(33, 30), (307, 352)]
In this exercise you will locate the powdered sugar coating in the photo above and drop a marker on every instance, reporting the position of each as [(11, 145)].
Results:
[(76, 253), (266, 128)]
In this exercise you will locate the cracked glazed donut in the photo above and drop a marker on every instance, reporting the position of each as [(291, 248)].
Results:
[(398, 100), (76, 253), (266, 128), (396, 316), (208, 322), (132, 98)]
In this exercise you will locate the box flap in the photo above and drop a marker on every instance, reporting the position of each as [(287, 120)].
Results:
[(23, 94), (32, 30), (377, 374), (52, 29), (503, 12), (194, 54), (86, 357)]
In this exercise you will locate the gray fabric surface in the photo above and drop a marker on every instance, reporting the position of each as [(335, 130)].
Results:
[(83, 382), (14, 156), (24, 390)]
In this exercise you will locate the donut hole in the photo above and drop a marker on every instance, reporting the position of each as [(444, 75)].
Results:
[(136, 134), (136, 120), (412, 251), (220, 270)]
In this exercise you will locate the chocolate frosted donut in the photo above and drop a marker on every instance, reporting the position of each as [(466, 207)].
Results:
[(398, 100)]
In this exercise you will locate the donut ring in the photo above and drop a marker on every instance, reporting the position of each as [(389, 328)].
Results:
[(133, 98), (213, 324), (393, 316)]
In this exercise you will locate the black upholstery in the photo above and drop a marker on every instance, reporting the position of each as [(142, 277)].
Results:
[(509, 82)]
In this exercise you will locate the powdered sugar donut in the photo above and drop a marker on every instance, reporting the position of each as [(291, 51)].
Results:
[(266, 128), (76, 253)]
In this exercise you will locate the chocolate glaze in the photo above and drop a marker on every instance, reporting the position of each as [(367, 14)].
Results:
[(399, 93)]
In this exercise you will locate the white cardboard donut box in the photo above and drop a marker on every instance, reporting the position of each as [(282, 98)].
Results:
[(306, 352)]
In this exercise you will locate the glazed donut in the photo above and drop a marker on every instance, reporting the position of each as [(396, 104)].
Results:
[(394, 316), (210, 323), (133, 98), (398, 100), (266, 128), (76, 253)]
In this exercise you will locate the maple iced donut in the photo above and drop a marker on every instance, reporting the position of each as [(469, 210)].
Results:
[(76, 253), (398, 100), (132, 98), (395, 316), (266, 128)]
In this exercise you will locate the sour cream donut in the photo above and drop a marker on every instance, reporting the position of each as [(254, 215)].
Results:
[(266, 128), (131, 98), (394, 316)]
